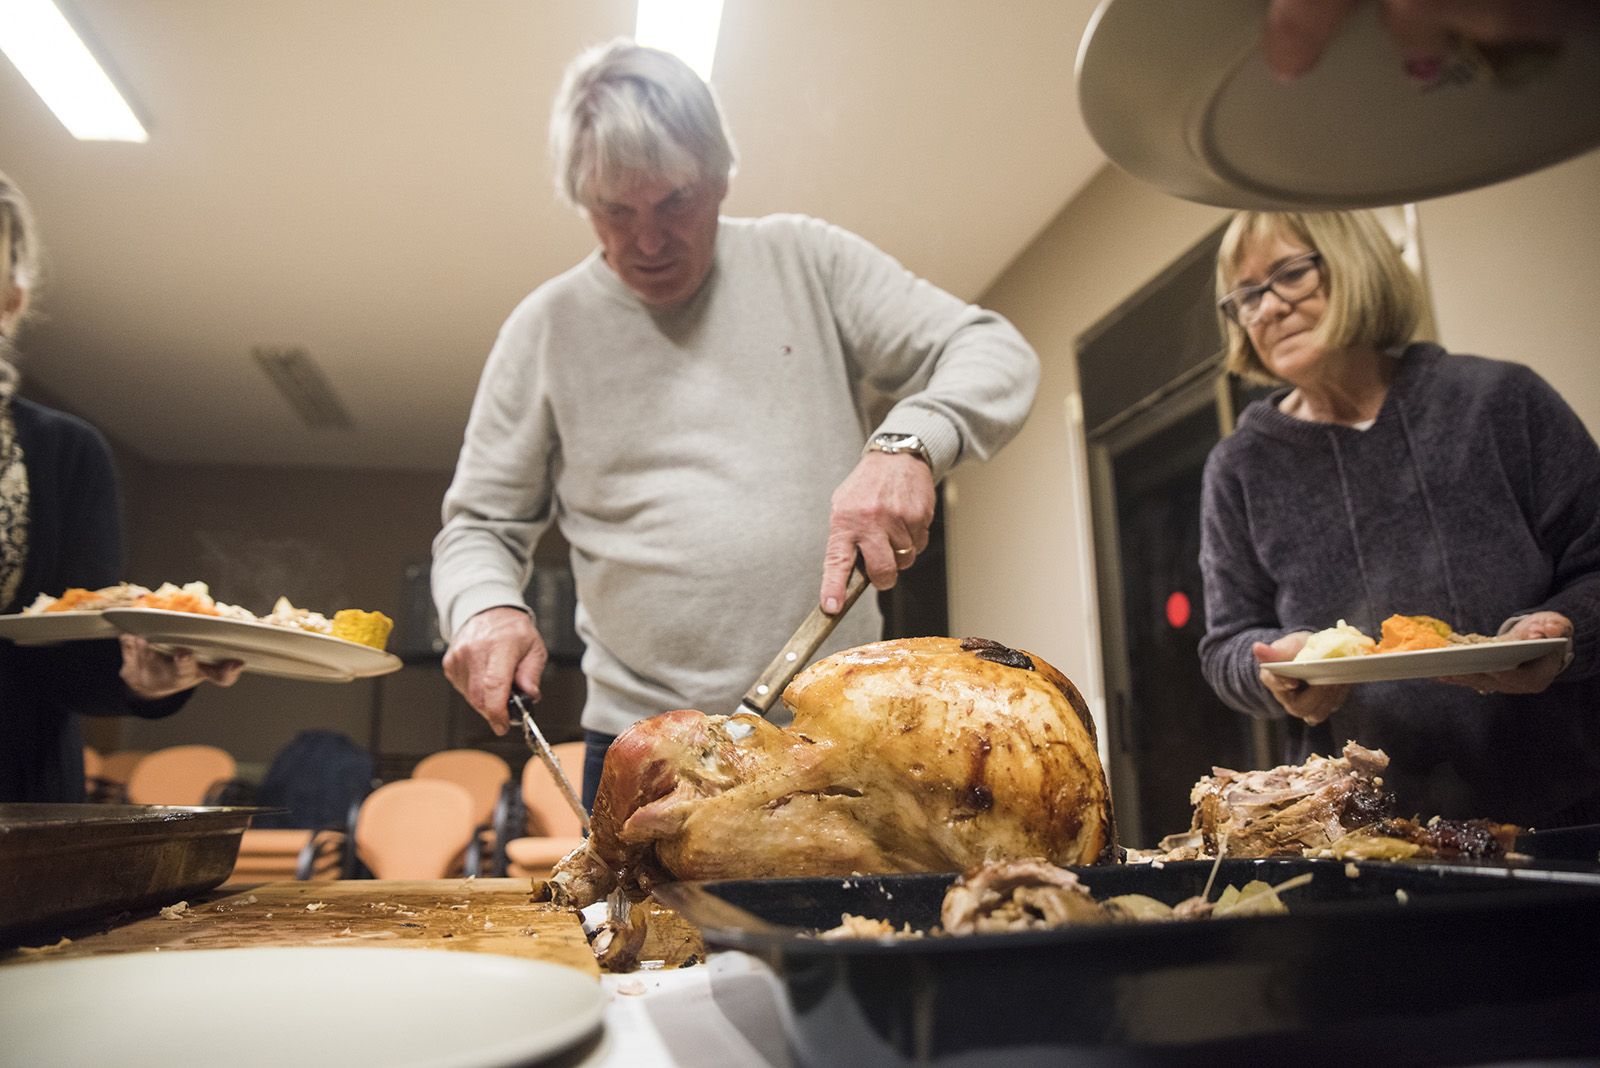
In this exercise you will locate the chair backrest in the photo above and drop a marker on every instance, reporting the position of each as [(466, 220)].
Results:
[(548, 811), (481, 774), (317, 776), (179, 775), (93, 762), (118, 766), (414, 828)]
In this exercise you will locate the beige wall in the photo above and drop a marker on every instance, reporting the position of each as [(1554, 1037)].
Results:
[(1515, 274), (1514, 271), (1018, 526)]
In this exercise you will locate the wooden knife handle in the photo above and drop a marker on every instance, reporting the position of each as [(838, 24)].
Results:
[(797, 652)]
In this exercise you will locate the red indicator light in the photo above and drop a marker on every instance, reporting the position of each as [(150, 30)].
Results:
[(1178, 610)]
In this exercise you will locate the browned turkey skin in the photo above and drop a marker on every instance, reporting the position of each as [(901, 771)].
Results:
[(922, 754)]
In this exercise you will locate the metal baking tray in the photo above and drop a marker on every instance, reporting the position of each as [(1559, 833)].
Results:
[(67, 864), (1376, 963)]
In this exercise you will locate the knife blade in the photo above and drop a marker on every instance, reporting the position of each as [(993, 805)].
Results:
[(519, 706), (798, 650)]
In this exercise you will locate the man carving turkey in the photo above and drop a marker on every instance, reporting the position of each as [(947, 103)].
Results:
[(689, 404)]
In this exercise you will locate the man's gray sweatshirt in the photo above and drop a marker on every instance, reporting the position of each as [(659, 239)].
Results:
[(689, 455)]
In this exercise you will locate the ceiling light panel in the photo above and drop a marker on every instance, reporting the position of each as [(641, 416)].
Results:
[(48, 52), (686, 28)]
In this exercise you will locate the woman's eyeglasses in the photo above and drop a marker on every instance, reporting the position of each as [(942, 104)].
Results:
[(1293, 282)]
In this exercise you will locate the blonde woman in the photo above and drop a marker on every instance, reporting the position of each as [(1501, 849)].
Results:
[(60, 526), (1387, 476)]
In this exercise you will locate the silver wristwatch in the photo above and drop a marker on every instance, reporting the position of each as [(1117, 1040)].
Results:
[(898, 443)]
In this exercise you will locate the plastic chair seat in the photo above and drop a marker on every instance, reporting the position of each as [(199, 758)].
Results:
[(415, 829), (272, 854), (534, 856)]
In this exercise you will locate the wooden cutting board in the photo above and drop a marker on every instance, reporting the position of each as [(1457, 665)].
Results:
[(472, 915)]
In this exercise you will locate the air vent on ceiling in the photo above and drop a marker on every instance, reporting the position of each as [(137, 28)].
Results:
[(305, 387)]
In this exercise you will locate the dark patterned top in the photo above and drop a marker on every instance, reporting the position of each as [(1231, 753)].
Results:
[(75, 539)]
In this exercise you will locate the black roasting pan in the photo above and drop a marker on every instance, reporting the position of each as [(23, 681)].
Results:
[(67, 864), (1376, 963)]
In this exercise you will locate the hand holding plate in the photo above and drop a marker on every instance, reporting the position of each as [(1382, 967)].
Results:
[(152, 675), (1536, 675), (1313, 704)]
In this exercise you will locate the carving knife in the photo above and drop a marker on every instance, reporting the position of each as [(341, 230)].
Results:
[(799, 649), (535, 738)]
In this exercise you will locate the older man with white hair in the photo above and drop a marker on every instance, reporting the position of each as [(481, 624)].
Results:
[(690, 405)]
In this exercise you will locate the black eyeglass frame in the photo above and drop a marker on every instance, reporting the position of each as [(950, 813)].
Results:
[(1229, 305)]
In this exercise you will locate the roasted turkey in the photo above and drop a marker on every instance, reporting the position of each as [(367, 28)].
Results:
[(922, 754)]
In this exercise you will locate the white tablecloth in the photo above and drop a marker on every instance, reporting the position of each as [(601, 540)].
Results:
[(723, 1012)]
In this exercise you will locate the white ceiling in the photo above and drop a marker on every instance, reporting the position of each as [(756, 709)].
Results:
[(366, 179)]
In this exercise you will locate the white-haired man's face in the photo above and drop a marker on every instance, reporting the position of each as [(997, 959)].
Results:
[(659, 236)]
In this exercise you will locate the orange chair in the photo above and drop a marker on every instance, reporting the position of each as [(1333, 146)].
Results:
[(483, 774), (96, 787), (416, 829), (553, 828), (271, 854), (115, 770), (181, 775)]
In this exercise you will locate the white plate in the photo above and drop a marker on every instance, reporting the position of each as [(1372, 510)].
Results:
[(48, 628), (265, 649), (401, 1008), (1420, 663), (1179, 94)]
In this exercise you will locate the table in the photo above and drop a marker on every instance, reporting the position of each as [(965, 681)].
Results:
[(717, 1011)]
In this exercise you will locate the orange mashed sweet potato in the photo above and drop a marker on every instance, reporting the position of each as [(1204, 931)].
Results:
[(182, 601), (69, 601), (1403, 634)]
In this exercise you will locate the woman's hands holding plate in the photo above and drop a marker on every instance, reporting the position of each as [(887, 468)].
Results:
[(1536, 675), (1310, 703)]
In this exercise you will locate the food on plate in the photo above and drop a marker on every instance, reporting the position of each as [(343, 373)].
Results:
[(920, 754), (78, 599), (350, 624), (1326, 807), (1405, 634), (193, 597), (1401, 634), (367, 628), (1339, 640), (1032, 894), (285, 614)]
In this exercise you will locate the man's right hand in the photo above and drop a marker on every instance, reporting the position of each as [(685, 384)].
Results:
[(493, 650), (1310, 703)]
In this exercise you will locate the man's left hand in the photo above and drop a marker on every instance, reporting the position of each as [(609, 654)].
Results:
[(1532, 677), (152, 675), (882, 510)]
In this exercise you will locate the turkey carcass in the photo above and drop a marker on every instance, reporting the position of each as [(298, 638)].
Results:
[(922, 754)]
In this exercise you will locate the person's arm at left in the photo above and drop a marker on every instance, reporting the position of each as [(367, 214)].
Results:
[(147, 683), (963, 380)]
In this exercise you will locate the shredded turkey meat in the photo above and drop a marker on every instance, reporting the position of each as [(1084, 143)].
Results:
[(1326, 807), (922, 754), (1017, 896)]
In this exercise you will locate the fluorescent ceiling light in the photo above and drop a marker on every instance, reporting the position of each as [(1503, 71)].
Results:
[(48, 52), (686, 28)]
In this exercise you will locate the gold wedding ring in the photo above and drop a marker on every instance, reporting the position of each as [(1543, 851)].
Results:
[(904, 552)]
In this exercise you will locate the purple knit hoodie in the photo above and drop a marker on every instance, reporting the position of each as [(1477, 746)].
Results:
[(1474, 497)]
